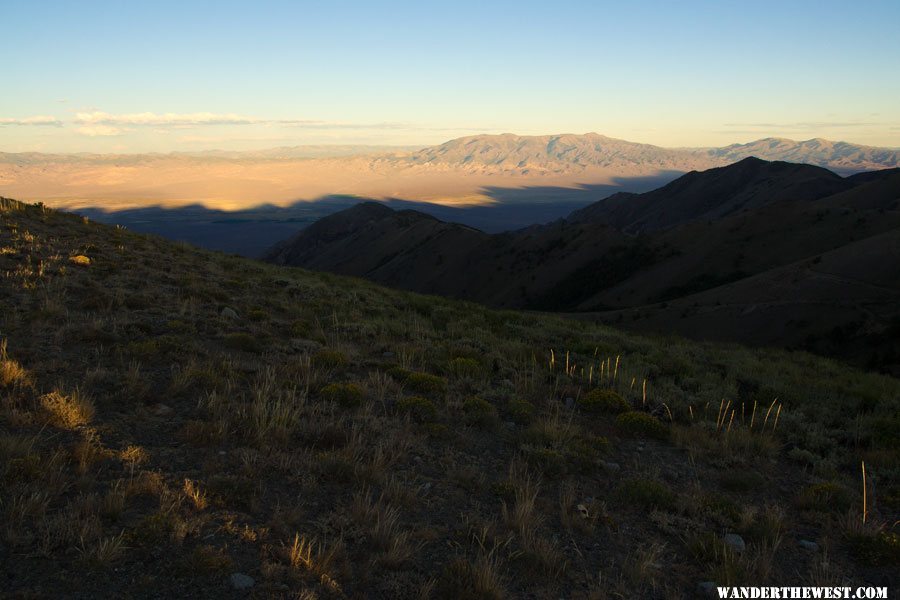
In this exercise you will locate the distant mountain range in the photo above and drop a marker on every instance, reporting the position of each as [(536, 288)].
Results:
[(479, 170), (758, 252), (567, 153)]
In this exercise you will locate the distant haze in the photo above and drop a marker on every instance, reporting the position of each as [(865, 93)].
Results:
[(461, 172)]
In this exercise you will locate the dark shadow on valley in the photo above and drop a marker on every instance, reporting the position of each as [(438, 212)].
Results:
[(251, 231)]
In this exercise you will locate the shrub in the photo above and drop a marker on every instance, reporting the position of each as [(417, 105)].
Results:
[(641, 424), (741, 480), (886, 432), (722, 505), (825, 497), (584, 452), (425, 383), (647, 494), (480, 412), (178, 326), (465, 367), (603, 401), (257, 315), (880, 549), (243, 341), (348, 395), (398, 373), (520, 410), (300, 329), (421, 409), (551, 462), (329, 359)]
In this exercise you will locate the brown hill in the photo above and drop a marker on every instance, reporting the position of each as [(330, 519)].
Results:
[(700, 232), (748, 184)]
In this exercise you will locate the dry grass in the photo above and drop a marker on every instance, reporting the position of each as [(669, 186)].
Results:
[(67, 410), (11, 372), (196, 495)]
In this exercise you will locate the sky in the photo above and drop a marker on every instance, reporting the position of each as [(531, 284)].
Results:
[(186, 76)]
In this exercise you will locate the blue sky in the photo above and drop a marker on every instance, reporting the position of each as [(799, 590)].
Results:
[(139, 76)]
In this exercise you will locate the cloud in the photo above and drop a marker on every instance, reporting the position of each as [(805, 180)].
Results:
[(164, 119), (101, 131), (39, 120), (160, 120), (308, 124), (803, 125)]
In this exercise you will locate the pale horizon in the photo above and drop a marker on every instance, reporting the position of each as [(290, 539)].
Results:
[(376, 147)]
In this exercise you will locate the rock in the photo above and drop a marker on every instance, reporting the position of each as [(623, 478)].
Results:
[(570, 403), (809, 545), (611, 466), (303, 345), (387, 355), (706, 588), (509, 425), (736, 542), (161, 410), (229, 313), (239, 581)]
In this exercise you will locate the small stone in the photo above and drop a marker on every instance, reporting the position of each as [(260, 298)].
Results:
[(809, 545), (570, 403), (304, 345), (509, 425), (736, 542), (239, 581), (387, 355), (161, 410), (229, 313), (706, 588), (418, 459), (611, 466)]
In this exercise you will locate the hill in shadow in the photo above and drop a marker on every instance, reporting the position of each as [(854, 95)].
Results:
[(777, 243)]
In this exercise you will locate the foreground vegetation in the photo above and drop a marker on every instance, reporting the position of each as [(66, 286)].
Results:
[(176, 422)]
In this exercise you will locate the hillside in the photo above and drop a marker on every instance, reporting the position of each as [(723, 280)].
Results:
[(181, 423), (746, 185), (629, 252)]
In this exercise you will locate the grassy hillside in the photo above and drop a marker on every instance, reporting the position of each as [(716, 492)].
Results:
[(175, 422), (818, 241)]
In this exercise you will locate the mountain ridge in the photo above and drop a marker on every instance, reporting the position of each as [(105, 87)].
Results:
[(702, 231)]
